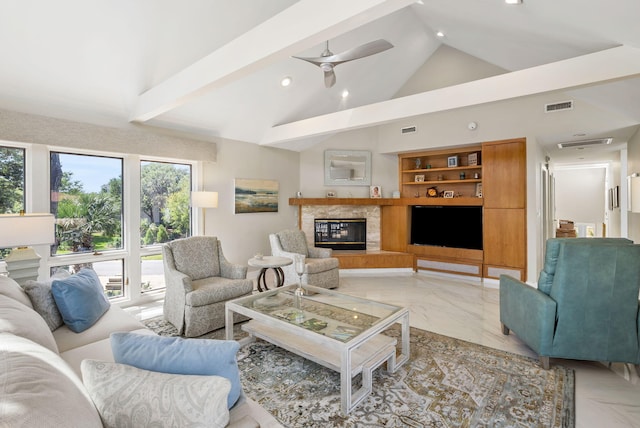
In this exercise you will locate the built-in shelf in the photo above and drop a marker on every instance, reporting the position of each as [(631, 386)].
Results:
[(423, 200)]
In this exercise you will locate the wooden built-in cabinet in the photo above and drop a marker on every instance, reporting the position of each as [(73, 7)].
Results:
[(501, 173), (496, 179)]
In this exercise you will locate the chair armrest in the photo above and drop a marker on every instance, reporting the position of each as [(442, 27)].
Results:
[(528, 312), (178, 279), (319, 253), (232, 270)]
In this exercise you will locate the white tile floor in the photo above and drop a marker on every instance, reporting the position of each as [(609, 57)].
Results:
[(468, 309)]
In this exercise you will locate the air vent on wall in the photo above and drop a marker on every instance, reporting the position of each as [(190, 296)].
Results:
[(408, 129), (563, 105), (585, 143)]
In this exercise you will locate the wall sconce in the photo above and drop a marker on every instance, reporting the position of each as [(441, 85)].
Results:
[(634, 192), (21, 231), (204, 200)]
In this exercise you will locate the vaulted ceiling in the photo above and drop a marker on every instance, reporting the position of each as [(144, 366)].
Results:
[(213, 67)]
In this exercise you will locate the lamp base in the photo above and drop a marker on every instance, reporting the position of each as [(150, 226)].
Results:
[(23, 265)]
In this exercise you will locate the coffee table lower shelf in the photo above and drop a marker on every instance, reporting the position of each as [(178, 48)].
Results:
[(364, 359)]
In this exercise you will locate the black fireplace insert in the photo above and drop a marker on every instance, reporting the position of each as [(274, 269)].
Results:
[(341, 233)]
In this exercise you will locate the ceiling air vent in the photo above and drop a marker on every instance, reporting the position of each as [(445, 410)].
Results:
[(585, 143), (408, 130), (563, 105)]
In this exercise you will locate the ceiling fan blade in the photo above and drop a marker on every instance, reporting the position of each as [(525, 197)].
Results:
[(358, 52), (329, 78), (361, 51)]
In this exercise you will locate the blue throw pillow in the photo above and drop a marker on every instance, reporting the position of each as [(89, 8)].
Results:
[(178, 355), (80, 299)]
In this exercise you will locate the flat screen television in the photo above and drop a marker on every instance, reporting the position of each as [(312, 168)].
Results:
[(447, 226)]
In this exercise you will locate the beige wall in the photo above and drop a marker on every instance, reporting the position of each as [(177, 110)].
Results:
[(633, 154)]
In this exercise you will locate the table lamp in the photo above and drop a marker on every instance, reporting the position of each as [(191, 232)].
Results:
[(21, 231), (202, 199)]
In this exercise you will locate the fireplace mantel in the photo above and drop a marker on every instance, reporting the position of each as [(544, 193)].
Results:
[(369, 208)]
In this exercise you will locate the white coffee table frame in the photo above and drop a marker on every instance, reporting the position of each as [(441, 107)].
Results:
[(363, 353)]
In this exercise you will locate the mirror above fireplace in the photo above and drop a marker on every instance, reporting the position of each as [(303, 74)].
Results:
[(347, 168)]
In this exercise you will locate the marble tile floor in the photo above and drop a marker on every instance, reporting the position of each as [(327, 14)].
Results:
[(468, 309)]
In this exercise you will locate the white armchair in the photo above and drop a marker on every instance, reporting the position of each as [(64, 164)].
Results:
[(199, 280), (321, 269)]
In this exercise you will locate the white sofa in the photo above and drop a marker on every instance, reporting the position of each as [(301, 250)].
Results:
[(40, 380)]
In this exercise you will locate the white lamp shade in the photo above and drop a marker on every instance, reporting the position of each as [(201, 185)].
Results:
[(204, 199), (25, 230)]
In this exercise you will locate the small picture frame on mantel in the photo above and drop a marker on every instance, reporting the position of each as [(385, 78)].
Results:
[(452, 161), (473, 159), (375, 191), (419, 178), (448, 194)]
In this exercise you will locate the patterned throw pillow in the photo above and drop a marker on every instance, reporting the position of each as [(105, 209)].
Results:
[(126, 396), (42, 300)]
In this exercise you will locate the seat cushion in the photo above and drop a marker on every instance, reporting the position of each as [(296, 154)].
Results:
[(197, 256), (38, 389), (23, 321), (293, 241), (217, 289), (321, 265)]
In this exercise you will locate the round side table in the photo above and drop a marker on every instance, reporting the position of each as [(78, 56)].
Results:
[(270, 262)]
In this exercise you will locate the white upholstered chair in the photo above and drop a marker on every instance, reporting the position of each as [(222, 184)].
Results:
[(321, 269), (199, 280)]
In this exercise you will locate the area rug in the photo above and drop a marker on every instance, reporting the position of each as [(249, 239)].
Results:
[(446, 383)]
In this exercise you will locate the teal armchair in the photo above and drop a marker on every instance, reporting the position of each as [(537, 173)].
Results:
[(586, 304)]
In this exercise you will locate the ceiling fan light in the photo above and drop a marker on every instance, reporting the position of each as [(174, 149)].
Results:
[(513, 1), (286, 81)]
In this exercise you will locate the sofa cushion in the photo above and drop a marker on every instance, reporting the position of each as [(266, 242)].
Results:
[(80, 299), (197, 256), (129, 396), (38, 389), (115, 319), (42, 299), (10, 288), (178, 355), (23, 321)]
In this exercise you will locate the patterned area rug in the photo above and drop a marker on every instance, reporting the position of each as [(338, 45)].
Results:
[(446, 383)]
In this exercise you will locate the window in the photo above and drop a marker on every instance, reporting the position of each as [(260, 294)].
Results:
[(12, 189), (86, 199), (164, 215), (12, 173)]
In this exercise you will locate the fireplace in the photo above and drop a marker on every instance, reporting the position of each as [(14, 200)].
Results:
[(341, 233)]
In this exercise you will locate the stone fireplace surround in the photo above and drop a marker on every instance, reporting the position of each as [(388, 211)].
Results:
[(370, 212)]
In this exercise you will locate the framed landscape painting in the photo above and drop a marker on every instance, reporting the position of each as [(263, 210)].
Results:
[(256, 196)]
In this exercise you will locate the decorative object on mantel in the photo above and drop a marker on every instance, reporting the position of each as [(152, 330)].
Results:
[(430, 387), (478, 190), (396, 194), (473, 159), (448, 194), (452, 161), (375, 192), (256, 196), (432, 192), (418, 163), (419, 177)]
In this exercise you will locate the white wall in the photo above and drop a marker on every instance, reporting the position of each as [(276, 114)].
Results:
[(243, 235), (580, 195), (633, 156)]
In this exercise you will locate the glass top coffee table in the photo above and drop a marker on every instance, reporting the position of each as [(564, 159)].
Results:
[(338, 331)]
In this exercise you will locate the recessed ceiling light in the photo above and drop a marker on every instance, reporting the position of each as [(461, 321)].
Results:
[(581, 134), (345, 93), (513, 1), (420, 2), (286, 81), (440, 34)]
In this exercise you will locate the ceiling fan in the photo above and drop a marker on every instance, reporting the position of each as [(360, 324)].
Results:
[(327, 60)]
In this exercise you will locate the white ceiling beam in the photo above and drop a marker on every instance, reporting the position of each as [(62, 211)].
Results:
[(303, 25), (611, 64)]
